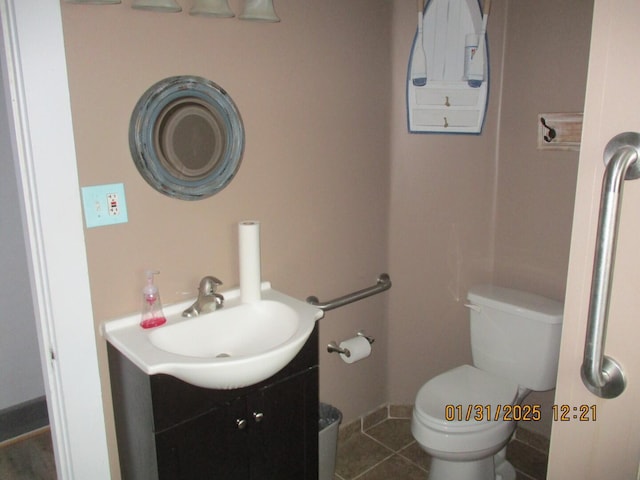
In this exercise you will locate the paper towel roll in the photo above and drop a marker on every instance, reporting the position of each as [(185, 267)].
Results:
[(358, 346), (249, 249)]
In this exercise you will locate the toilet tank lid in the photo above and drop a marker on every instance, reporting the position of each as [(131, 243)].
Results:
[(529, 305)]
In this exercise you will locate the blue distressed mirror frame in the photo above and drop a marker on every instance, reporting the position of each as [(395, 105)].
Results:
[(186, 137)]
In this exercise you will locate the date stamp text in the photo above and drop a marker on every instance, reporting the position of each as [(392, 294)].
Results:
[(518, 413)]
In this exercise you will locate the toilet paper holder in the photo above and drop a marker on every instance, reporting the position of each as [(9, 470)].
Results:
[(333, 347)]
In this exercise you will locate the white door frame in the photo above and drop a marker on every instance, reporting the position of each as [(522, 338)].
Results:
[(34, 65)]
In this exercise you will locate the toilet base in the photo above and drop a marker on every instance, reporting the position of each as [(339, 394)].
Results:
[(491, 468), (505, 471)]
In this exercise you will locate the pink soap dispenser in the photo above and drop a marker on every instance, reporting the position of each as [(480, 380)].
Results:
[(152, 314)]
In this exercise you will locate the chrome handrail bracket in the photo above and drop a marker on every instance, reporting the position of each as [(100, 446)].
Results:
[(602, 375)]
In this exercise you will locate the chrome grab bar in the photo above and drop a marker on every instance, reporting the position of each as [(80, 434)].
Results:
[(383, 283), (602, 375)]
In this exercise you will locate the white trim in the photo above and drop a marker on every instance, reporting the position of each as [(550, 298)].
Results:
[(33, 59)]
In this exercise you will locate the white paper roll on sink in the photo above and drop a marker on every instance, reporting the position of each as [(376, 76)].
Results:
[(249, 249), (359, 347)]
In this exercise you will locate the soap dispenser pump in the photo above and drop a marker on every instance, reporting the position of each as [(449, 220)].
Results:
[(152, 314)]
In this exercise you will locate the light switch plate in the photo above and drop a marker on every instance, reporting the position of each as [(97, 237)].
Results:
[(104, 205)]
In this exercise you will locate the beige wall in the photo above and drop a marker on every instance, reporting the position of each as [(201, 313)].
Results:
[(313, 94), (441, 224), (547, 51)]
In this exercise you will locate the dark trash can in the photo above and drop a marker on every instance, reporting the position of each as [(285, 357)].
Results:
[(328, 424)]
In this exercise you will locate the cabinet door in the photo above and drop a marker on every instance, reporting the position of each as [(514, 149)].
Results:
[(284, 429), (213, 446)]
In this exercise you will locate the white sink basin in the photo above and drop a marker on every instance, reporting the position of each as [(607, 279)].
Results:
[(235, 346)]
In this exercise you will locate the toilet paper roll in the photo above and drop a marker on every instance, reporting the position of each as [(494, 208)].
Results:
[(249, 249), (358, 346)]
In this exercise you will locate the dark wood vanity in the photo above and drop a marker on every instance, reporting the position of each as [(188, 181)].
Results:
[(171, 430)]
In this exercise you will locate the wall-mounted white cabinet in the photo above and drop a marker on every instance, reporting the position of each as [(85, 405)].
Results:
[(449, 102)]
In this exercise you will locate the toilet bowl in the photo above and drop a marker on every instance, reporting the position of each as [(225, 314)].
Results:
[(465, 417), (439, 422)]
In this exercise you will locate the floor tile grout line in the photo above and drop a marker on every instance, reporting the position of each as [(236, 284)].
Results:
[(392, 452), (537, 450), (382, 443), (523, 475), (386, 447), (530, 445), (386, 419), (374, 466), (395, 452), (399, 453)]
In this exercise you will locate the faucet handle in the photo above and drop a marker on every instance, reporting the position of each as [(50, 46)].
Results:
[(209, 285)]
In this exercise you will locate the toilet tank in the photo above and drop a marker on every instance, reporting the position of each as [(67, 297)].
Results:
[(515, 335)]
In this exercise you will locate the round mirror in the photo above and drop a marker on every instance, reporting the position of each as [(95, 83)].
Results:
[(186, 137)]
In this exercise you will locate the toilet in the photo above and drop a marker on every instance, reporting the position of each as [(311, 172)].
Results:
[(464, 417)]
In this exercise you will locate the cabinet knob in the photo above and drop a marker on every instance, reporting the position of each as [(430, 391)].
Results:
[(258, 416), (241, 423)]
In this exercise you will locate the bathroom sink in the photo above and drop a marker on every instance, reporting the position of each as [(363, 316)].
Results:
[(235, 346)]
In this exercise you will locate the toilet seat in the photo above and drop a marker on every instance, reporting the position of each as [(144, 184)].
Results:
[(462, 388)]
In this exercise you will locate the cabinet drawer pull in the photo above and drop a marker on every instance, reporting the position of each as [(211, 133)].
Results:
[(241, 423), (258, 416)]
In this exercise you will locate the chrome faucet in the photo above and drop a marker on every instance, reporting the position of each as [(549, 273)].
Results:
[(208, 300)]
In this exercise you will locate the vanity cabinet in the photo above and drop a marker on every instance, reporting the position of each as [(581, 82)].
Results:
[(170, 430)]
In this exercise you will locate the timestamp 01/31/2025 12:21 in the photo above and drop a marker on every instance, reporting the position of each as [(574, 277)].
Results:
[(526, 412)]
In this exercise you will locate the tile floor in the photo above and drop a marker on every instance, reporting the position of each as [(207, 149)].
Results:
[(380, 447)]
